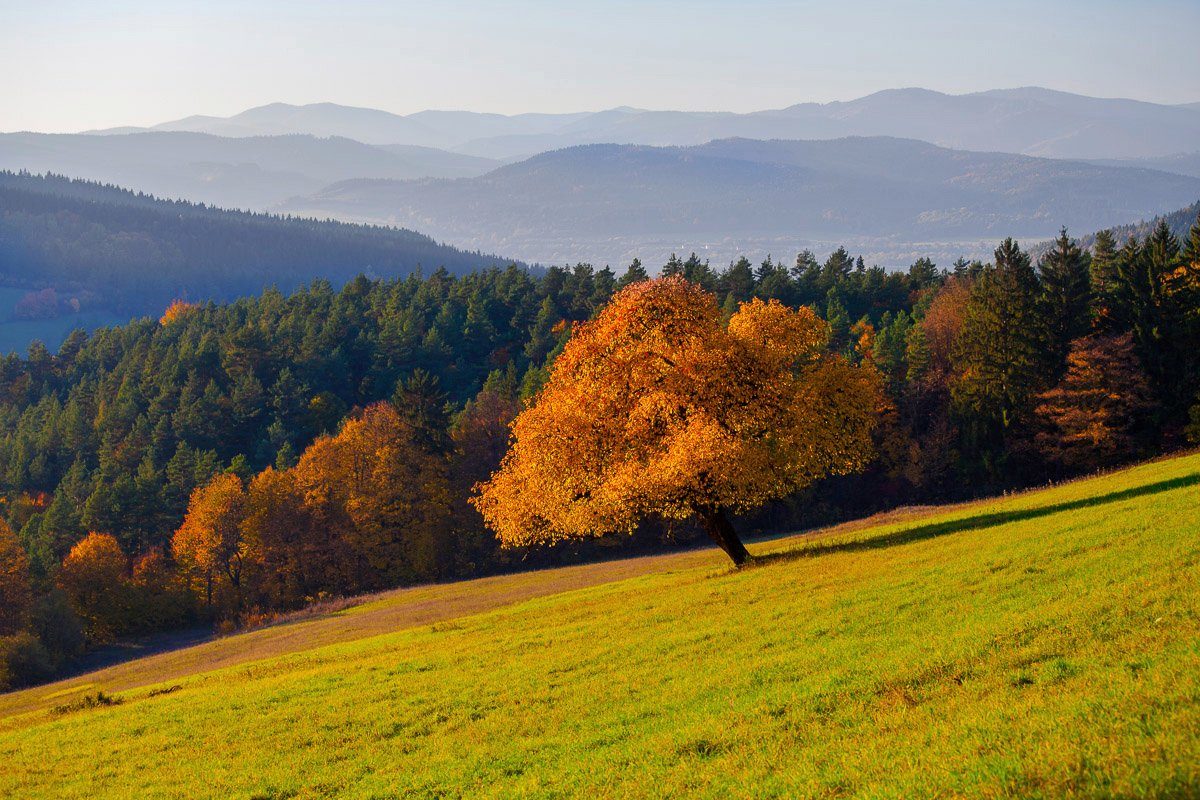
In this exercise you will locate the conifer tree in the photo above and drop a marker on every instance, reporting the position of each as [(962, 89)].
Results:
[(999, 357), (1102, 277), (634, 273), (1065, 289)]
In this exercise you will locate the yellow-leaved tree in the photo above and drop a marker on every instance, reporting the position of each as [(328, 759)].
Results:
[(656, 408)]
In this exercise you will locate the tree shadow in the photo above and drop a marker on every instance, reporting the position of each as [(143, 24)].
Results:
[(978, 522)]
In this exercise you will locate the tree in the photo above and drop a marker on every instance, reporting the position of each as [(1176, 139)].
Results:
[(634, 273), (1102, 277), (209, 546), (296, 558), (16, 594), (383, 493), (941, 326), (1092, 417), (1000, 354), (176, 310), (94, 576), (421, 402), (654, 408), (1152, 311), (1065, 294)]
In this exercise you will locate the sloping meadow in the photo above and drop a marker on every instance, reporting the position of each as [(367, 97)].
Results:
[(1040, 645)]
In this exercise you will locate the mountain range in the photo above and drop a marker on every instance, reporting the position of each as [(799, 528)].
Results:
[(1031, 121), (611, 202), (897, 174)]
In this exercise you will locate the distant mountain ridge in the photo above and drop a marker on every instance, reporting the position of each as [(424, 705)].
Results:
[(606, 202), (1028, 120)]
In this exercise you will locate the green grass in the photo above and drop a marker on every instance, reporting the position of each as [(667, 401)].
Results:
[(1044, 645)]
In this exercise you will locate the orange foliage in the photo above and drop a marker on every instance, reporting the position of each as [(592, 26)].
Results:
[(16, 596), (942, 323), (655, 408), (176, 310), (294, 556), (364, 508), (1090, 419), (384, 497), (208, 546), (94, 577)]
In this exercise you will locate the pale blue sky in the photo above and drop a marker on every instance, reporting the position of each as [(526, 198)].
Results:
[(71, 65)]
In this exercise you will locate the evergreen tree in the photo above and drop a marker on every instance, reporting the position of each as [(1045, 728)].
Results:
[(738, 281), (673, 266), (1102, 275), (1065, 289), (1143, 275), (1000, 354), (634, 273)]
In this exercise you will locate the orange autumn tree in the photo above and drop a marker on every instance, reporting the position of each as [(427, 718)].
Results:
[(177, 310), (384, 498), (94, 577), (16, 594), (209, 546), (656, 408)]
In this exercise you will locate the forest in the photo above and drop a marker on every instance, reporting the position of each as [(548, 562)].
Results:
[(95, 245), (227, 463)]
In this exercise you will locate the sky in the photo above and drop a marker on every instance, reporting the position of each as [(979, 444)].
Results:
[(71, 65)]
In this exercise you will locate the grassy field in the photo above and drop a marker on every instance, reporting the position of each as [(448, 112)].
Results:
[(1043, 645)]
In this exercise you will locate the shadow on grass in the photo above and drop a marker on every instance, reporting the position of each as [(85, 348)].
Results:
[(978, 522)]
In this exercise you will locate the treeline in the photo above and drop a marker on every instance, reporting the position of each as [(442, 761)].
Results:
[(136, 252), (231, 461)]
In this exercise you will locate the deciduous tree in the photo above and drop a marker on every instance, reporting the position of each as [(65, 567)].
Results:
[(95, 576), (209, 546), (655, 408), (16, 596)]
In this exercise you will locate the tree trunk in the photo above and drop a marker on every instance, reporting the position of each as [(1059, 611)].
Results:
[(722, 532)]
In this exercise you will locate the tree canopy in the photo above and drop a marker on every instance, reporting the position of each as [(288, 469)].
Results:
[(657, 408)]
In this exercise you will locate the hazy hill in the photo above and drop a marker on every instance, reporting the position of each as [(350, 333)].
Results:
[(1031, 120), (109, 247), (1053, 633), (1179, 163), (252, 172), (604, 202), (319, 119)]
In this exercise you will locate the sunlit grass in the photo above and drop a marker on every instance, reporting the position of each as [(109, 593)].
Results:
[(1043, 645)]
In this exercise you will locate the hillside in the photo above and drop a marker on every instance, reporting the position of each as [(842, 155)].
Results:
[(1180, 222), (1039, 645), (1179, 163), (107, 247), (608, 203), (251, 173), (1027, 120)]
